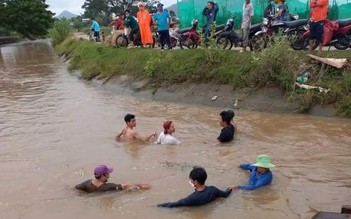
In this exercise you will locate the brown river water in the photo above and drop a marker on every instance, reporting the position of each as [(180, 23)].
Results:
[(55, 128)]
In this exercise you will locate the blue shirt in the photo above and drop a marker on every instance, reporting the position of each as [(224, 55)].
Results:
[(95, 26), (256, 180), (199, 197), (162, 20)]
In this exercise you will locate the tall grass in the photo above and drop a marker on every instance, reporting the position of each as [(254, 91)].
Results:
[(60, 31)]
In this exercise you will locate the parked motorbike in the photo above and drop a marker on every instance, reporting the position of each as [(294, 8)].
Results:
[(190, 38), (291, 29), (122, 40), (336, 33), (229, 37)]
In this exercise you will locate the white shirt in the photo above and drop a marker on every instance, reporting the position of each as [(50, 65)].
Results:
[(166, 139)]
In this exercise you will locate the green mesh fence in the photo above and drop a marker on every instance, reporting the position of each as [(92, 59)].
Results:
[(190, 9)]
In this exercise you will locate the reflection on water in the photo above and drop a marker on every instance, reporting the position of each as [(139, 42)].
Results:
[(55, 129)]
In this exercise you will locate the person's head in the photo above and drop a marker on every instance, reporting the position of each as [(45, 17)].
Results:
[(169, 128), (141, 6), (102, 173), (159, 7), (197, 176), (92, 19), (210, 5), (231, 113), (130, 120), (127, 12), (225, 119), (263, 163), (247, 1)]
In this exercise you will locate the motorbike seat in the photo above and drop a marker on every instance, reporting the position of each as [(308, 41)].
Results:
[(220, 27), (255, 27), (184, 30), (296, 23), (344, 22)]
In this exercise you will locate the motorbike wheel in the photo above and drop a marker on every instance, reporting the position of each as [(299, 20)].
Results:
[(258, 42), (223, 42), (122, 41), (296, 40), (173, 42), (306, 44), (186, 43), (342, 43)]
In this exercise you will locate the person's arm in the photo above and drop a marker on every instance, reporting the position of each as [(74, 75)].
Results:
[(140, 138), (135, 186), (246, 166), (250, 19), (188, 201), (262, 181), (119, 135), (80, 186), (223, 194)]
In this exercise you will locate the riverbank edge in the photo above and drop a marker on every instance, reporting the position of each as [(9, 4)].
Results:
[(256, 81), (268, 99)]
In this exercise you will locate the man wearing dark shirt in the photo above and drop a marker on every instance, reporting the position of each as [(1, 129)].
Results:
[(203, 194), (100, 184), (227, 132)]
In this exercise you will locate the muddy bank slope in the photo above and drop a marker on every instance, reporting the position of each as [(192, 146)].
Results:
[(263, 81)]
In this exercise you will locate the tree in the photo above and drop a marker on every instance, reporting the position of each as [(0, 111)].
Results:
[(28, 17)]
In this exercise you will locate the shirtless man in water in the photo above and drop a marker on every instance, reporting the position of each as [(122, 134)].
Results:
[(128, 134)]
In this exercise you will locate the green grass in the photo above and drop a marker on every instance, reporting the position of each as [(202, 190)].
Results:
[(275, 66)]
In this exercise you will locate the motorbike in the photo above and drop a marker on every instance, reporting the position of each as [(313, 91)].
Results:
[(229, 37), (336, 33), (122, 40), (291, 29), (190, 38), (174, 36)]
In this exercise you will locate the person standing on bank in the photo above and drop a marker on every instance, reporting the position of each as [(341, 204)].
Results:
[(318, 14), (95, 27), (210, 12), (162, 19), (144, 19), (248, 12)]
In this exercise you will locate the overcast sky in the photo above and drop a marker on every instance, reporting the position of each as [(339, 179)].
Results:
[(74, 6)]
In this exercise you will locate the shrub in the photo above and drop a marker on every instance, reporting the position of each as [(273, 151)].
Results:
[(60, 31)]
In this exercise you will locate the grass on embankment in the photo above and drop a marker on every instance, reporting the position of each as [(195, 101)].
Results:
[(276, 66)]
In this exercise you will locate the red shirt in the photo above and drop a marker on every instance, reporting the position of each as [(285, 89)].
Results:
[(319, 10)]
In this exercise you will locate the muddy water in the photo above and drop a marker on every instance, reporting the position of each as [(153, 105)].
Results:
[(55, 128)]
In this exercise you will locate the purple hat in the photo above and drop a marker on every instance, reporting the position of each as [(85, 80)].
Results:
[(101, 170)]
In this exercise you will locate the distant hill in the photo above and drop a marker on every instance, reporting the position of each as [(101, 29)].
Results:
[(66, 14)]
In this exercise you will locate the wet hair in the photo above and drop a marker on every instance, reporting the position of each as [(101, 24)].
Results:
[(167, 125), (211, 2), (199, 174), (226, 117), (128, 117), (231, 113)]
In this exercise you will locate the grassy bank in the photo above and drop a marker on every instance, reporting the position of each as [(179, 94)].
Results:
[(276, 66)]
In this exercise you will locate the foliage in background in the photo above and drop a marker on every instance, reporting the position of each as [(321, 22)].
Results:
[(60, 31), (31, 18)]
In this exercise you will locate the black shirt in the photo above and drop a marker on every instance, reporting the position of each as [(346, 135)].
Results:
[(88, 186), (227, 134), (199, 198)]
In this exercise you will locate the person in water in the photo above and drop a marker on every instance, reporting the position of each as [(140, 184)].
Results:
[(232, 115), (227, 132), (166, 136), (260, 174), (100, 184), (202, 195), (129, 134)]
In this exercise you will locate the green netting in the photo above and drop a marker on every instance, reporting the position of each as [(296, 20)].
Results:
[(190, 9)]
